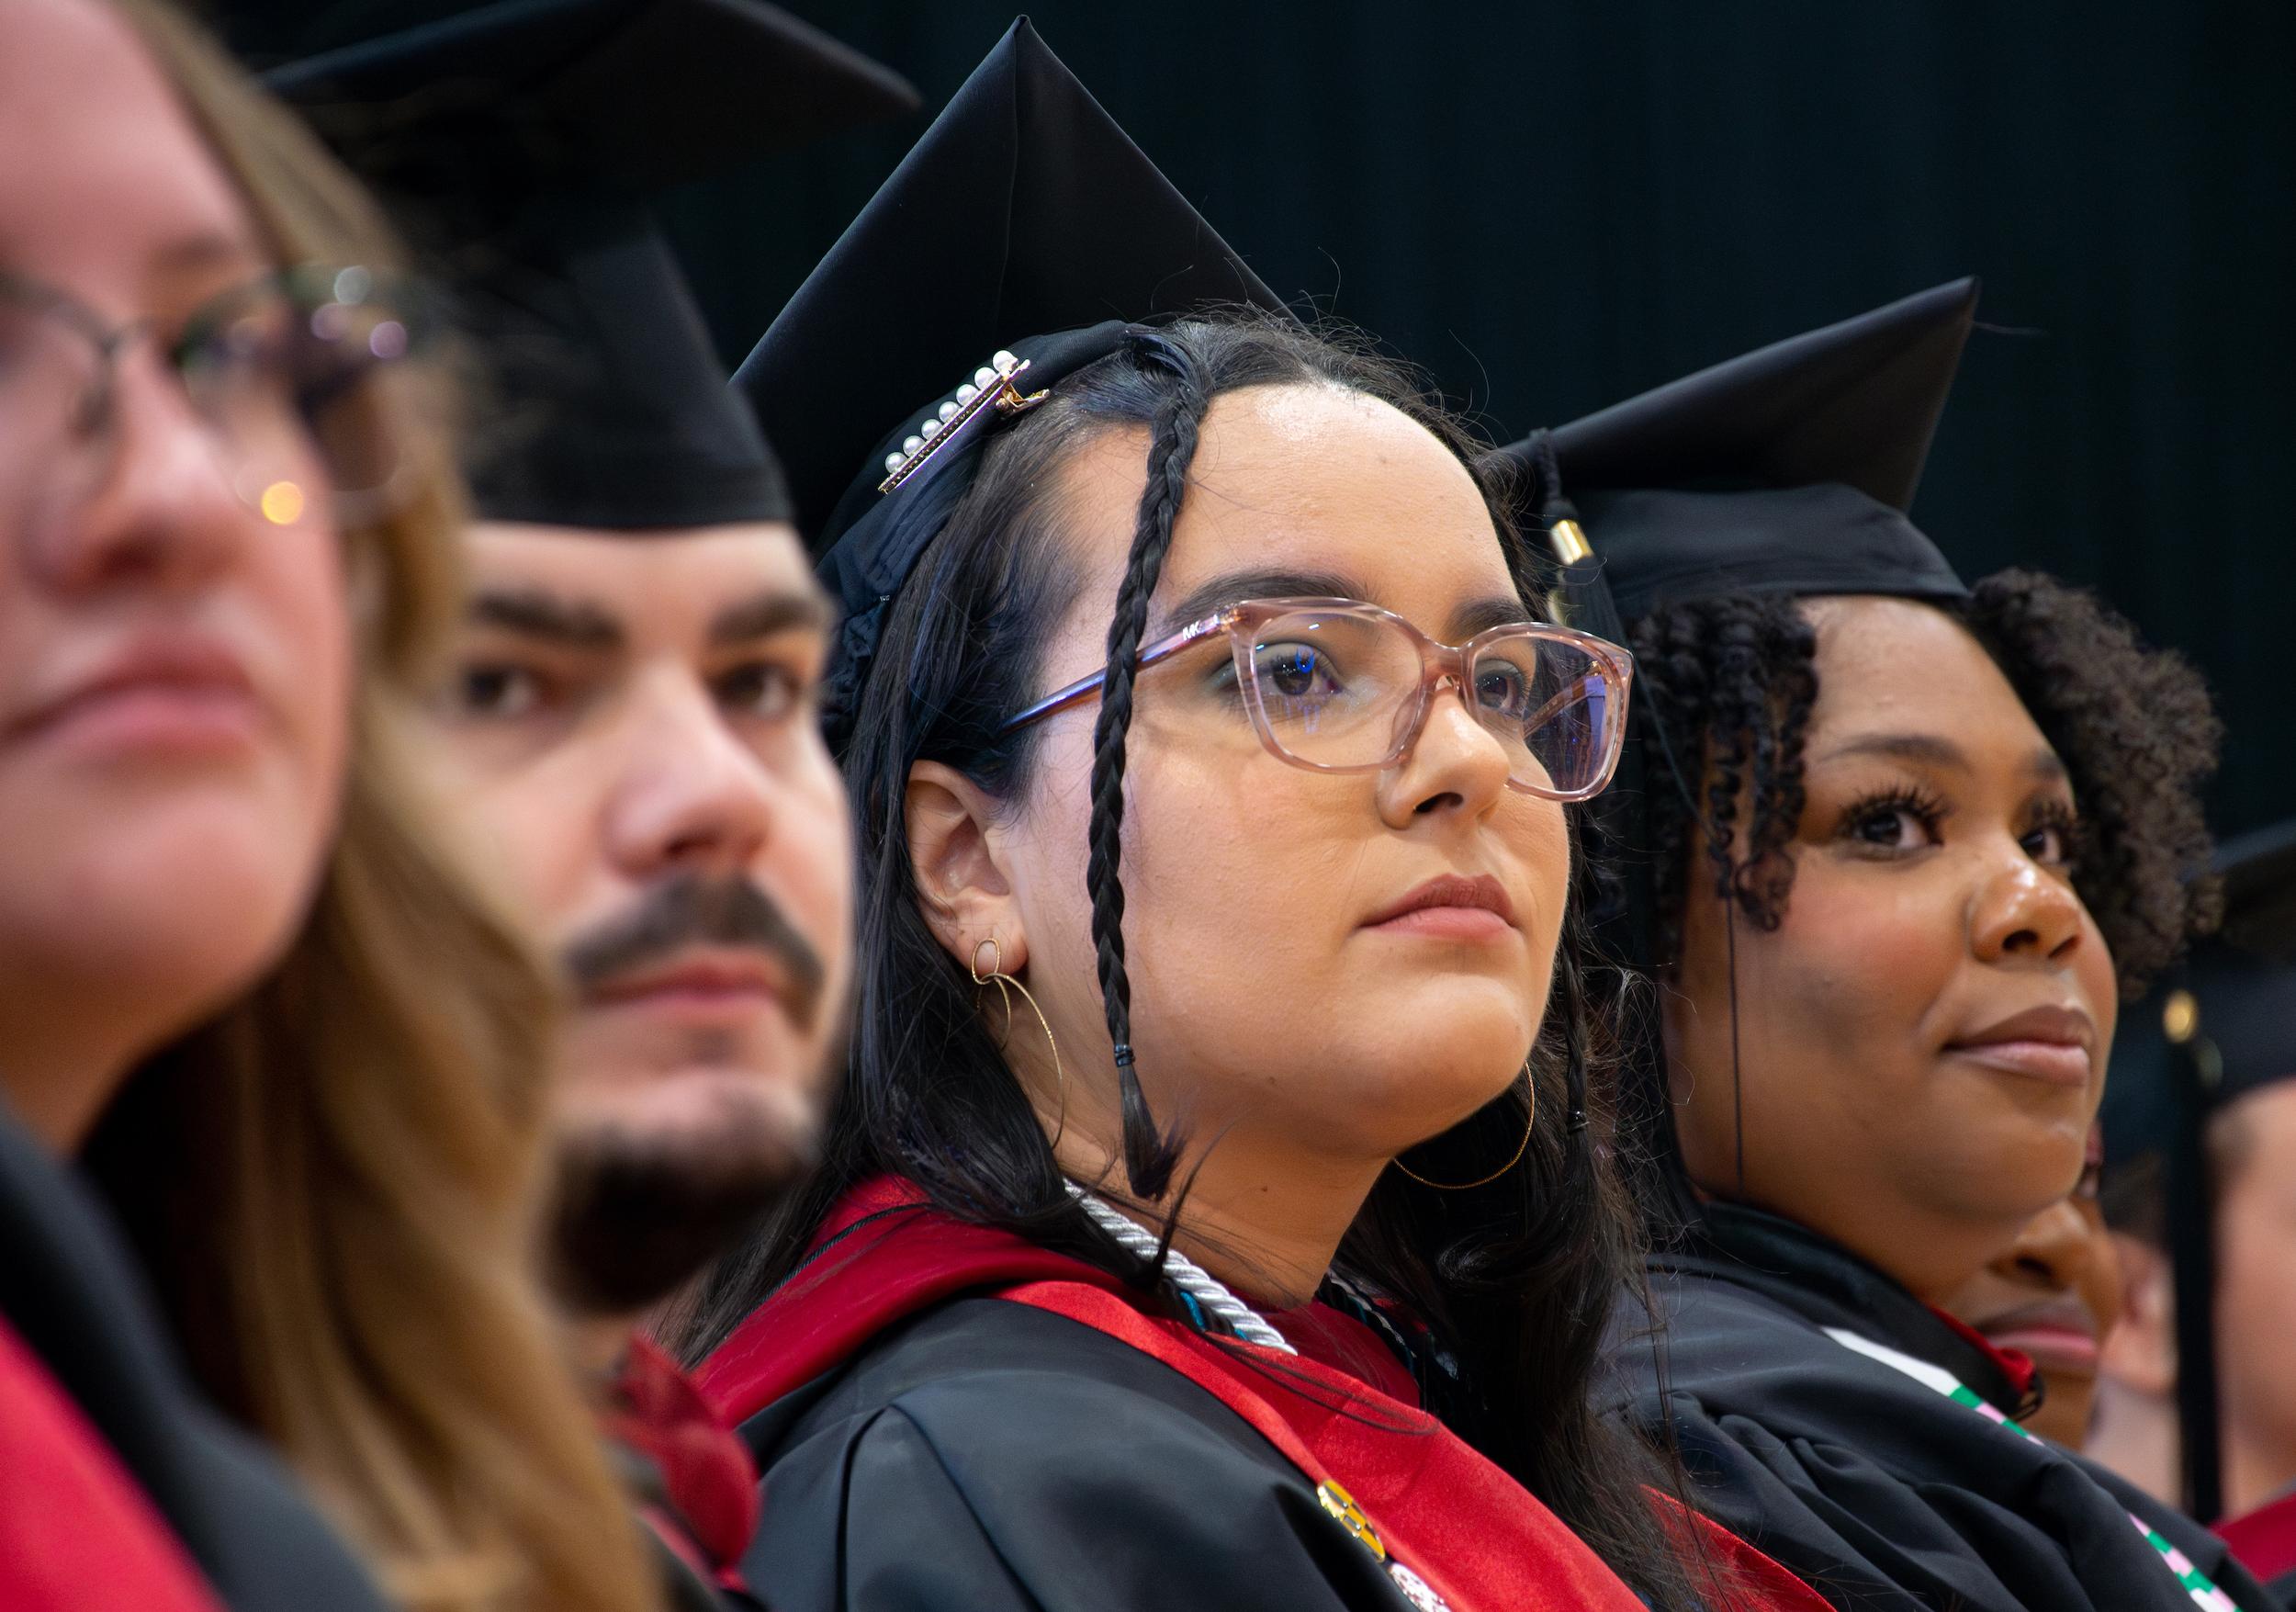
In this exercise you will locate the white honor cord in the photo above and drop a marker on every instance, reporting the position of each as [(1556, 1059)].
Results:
[(1186, 1275)]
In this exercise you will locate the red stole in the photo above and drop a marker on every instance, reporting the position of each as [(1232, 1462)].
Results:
[(75, 1531), (706, 1478), (2264, 1540), (1334, 1411)]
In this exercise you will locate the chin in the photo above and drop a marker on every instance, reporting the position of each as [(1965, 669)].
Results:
[(710, 1111), (2020, 1172), (1416, 1086), (191, 925), (643, 1200), (1463, 1020)]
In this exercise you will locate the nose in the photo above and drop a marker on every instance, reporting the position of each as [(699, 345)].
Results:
[(158, 510), (2021, 910), (1455, 764), (691, 796), (2052, 1251)]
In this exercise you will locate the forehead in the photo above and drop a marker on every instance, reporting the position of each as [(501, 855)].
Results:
[(662, 585), (1899, 666), (1305, 478), (103, 181)]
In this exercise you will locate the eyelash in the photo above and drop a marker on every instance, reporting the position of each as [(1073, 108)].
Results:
[(1930, 809), (1924, 806), (2054, 816), (794, 687)]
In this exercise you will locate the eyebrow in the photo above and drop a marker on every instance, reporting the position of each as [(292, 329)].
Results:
[(532, 613), (207, 249), (779, 611), (1928, 749), (1234, 587), (1481, 615)]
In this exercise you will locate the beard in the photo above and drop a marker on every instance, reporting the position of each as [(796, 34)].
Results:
[(635, 1215)]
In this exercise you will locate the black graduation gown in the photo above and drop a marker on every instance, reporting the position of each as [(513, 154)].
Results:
[(71, 1292), (991, 1452), (948, 1417), (1883, 1493)]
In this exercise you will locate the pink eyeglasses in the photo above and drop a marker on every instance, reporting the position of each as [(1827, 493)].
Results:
[(1337, 685)]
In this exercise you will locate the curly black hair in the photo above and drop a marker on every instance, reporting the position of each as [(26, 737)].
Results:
[(1732, 680)]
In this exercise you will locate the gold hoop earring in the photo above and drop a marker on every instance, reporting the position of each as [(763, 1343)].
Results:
[(1530, 1123), (1005, 984)]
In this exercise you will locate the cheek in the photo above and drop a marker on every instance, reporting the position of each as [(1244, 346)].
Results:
[(534, 835), (1538, 835), (1240, 868), (1855, 966), (807, 867), (2257, 1221), (2100, 1280), (1226, 879), (1831, 1011), (2257, 1306), (2097, 979)]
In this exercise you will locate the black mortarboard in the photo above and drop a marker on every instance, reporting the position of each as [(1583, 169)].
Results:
[(2223, 1027), (523, 138), (1787, 470), (2234, 998), (1024, 228)]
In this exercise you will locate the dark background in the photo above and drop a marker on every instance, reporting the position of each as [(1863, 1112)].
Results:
[(1556, 203)]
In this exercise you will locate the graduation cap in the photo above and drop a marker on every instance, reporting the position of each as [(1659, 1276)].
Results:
[(1023, 238), (524, 139), (1787, 470), (2222, 1028)]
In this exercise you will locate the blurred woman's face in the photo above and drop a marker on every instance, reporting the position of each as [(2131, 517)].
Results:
[(1919, 1045), (1278, 1001), (2053, 1295), (175, 662)]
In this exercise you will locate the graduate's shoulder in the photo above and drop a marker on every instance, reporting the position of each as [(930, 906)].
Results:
[(1033, 1462), (1687, 1331), (1003, 1374)]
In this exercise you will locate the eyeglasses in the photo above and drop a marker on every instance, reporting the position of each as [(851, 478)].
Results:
[(1337, 685), (275, 371)]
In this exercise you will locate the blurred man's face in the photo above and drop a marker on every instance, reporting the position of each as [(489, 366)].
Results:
[(2255, 1141), (629, 725)]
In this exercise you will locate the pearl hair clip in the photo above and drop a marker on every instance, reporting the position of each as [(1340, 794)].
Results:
[(989, 393)]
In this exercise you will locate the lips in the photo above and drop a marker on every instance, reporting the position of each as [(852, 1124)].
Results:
[(707, 984), (1451, 906), (2058, 1334), (172, 689), (2051, 1043)]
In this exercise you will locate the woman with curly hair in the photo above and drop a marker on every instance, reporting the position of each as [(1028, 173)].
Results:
[(1891, 850)]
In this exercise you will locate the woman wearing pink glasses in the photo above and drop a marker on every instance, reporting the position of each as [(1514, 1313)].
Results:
[(1212, 1215)]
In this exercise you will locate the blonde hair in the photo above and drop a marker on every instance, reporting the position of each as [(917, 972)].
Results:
[(335, 1180)]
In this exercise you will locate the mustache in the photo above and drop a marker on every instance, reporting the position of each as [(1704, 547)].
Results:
[(690, 910)]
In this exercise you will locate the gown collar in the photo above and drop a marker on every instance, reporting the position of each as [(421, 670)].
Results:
[(1825, 1283)]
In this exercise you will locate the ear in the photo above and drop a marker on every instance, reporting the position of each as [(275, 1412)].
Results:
[(2140, 1351), (960, 883)]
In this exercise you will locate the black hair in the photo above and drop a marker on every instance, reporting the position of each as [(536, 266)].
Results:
[(1149, 1158), (1726, 687), (1513, 1279)]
